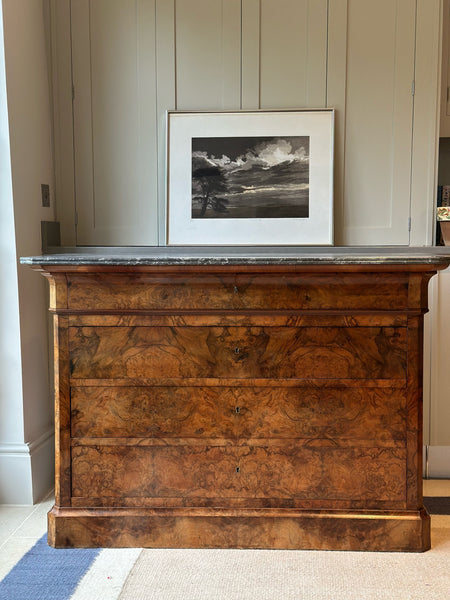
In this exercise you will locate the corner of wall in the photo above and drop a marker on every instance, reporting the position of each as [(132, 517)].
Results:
[(26, 470), (42, 457)]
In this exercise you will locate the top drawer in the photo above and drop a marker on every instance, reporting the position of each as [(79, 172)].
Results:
[(213, 291)]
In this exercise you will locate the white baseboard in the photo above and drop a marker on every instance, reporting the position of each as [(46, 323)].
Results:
[(27, 470), (437, 462)]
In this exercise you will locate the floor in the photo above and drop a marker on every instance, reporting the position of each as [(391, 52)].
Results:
[(436, 487), (22, 526)]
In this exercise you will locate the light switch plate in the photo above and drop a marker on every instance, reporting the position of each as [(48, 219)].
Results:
[(45, 193)]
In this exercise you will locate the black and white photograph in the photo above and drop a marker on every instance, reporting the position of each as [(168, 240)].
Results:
[(250, 177)]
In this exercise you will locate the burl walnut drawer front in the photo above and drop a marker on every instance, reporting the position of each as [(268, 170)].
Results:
[(245, 472), (238, 413), (230, 292), (237, 352)]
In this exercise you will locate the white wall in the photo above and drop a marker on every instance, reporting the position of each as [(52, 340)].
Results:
[(11, 421), (26, 443)]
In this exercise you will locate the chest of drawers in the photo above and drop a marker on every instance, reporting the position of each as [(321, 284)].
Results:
[(239, 406)]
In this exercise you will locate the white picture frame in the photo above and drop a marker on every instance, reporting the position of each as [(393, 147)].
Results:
[(250, 177)]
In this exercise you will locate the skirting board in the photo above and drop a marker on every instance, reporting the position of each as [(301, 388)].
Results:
[(27, 470), (436, 462)]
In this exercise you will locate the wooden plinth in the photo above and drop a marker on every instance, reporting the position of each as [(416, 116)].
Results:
[(301, 530)]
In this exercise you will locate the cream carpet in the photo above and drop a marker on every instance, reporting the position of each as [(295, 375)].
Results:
[(293, 575)]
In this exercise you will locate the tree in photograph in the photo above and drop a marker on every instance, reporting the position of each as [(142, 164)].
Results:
[(209, 183)]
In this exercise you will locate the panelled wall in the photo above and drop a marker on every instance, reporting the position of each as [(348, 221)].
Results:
[(134, 60)]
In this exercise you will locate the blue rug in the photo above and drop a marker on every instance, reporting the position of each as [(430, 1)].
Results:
[(45, 573)]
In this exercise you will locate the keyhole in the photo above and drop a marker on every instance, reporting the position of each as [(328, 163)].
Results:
[(238, 409), (238, 469), (236, 291), (236, 350)]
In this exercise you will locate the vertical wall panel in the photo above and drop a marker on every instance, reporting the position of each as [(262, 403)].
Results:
[(165, 97), (115, 121), (336, 95), (82, 116), (378, 113), (208, 54), (62, 119), (440, 373), (293, 53), (284, 53), (426, 122), (251, 38)]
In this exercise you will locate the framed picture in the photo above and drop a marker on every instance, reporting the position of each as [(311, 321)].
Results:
[(250, 178)]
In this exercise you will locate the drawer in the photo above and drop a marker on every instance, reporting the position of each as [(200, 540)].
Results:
[(246, 472), (150, 292), (209, 291), (238, 352), (388, 291), (239, 413)]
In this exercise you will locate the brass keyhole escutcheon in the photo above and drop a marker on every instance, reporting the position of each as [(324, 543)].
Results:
[(238, 409)]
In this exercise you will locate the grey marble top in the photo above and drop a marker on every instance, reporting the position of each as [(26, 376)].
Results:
[(238, 255)]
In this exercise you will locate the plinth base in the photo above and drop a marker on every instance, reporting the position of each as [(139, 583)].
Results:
[(407, 531)]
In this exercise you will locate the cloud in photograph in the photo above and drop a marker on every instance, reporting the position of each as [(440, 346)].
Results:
[(264, 154)]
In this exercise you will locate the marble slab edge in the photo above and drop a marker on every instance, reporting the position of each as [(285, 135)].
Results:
[(200, 255)]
